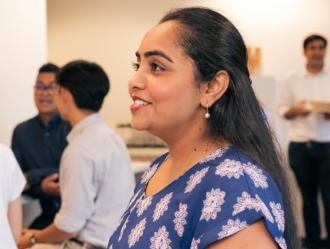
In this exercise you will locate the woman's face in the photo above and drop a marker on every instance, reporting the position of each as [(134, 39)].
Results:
[(165, 92)]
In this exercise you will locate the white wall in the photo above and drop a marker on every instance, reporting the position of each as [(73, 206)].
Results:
[(109, 32), (22, 50)]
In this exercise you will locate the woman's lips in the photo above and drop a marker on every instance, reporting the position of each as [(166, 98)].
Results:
[(138, 103)]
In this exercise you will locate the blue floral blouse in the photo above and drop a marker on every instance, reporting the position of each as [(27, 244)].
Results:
[(221, 195)]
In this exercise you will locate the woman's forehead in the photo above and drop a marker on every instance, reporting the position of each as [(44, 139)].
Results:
[(163, 37)]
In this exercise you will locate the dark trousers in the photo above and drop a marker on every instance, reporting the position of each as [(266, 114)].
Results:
[(311, 165)]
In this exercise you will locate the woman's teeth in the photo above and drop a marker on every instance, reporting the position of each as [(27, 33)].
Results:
[(139, 102)]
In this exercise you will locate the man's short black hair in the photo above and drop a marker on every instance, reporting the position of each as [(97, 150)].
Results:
[(86, 81), (49, 68), (314, 37)]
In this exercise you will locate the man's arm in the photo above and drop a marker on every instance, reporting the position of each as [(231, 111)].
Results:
[(50, 234), (78, 197), (16, 148), (50, 185), (287, 108), (300, 109), (33, 176), (77, 200)]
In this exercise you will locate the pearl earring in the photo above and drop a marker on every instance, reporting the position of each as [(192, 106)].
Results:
[(207, 114)]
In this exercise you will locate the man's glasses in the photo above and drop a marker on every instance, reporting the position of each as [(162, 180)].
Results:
[(41, 88)]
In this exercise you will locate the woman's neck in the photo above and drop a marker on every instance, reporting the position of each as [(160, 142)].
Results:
[(187, 151), (188, 145)]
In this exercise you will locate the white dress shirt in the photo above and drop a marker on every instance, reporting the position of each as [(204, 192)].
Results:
[(305, 86), (96, 181)]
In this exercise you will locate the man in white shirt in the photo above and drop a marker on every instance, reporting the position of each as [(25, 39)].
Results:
[(309, 134), (96, 179)]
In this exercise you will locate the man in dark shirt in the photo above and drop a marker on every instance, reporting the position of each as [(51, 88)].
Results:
[(38, 144)]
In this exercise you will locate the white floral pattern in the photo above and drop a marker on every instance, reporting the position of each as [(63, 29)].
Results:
[(180, 219), (212, 204), (230, 168), (134, 197), (136, 203), (195, 179), (149, 173), (122, 230), (281, 242), (160, 239), (248, 202), (119, 223), (216, 154), (256, 174), (143, 205), (136, 233), (195, 243), (236, 169), (162, 206), (232, 226), (278, 214)]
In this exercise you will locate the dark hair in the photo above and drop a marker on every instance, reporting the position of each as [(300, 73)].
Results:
[(48, 68), (312, 38), (214, 44), (86, 81)]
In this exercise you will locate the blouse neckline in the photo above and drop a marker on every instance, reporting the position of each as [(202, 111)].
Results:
[(207, 158)]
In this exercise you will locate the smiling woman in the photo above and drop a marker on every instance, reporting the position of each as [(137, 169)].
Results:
[(222, 184), (164, 86)]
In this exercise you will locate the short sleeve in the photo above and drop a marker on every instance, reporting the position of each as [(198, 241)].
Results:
[(13, 175), (238, 195), (77, 190)]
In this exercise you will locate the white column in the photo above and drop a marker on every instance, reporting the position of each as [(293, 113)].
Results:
[(23, 48)]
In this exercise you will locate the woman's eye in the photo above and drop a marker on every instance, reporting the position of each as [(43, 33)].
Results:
[(156, 67), (135, 66)]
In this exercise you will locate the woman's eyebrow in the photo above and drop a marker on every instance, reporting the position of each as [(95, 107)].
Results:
[(154, 53)]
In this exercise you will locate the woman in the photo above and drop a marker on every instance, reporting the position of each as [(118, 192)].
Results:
[(12, 182), (218, 187)]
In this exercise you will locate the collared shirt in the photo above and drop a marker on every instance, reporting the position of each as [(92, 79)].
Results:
[(38, 149), (305, 86), (96, 181)]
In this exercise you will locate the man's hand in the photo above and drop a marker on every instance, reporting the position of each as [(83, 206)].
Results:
[(27, 185), (300, 109), (24, 241), (327, 116), (50, 185)]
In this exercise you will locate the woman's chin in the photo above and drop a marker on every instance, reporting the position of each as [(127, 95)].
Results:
[(138, 125)]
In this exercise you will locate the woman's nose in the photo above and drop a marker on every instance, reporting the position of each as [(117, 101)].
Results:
[(137, 81)]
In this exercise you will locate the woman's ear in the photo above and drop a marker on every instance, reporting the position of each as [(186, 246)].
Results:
[(214, 89)]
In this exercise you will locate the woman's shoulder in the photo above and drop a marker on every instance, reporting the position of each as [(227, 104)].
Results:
[(235, 192), (232, 166), (238, 183)]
